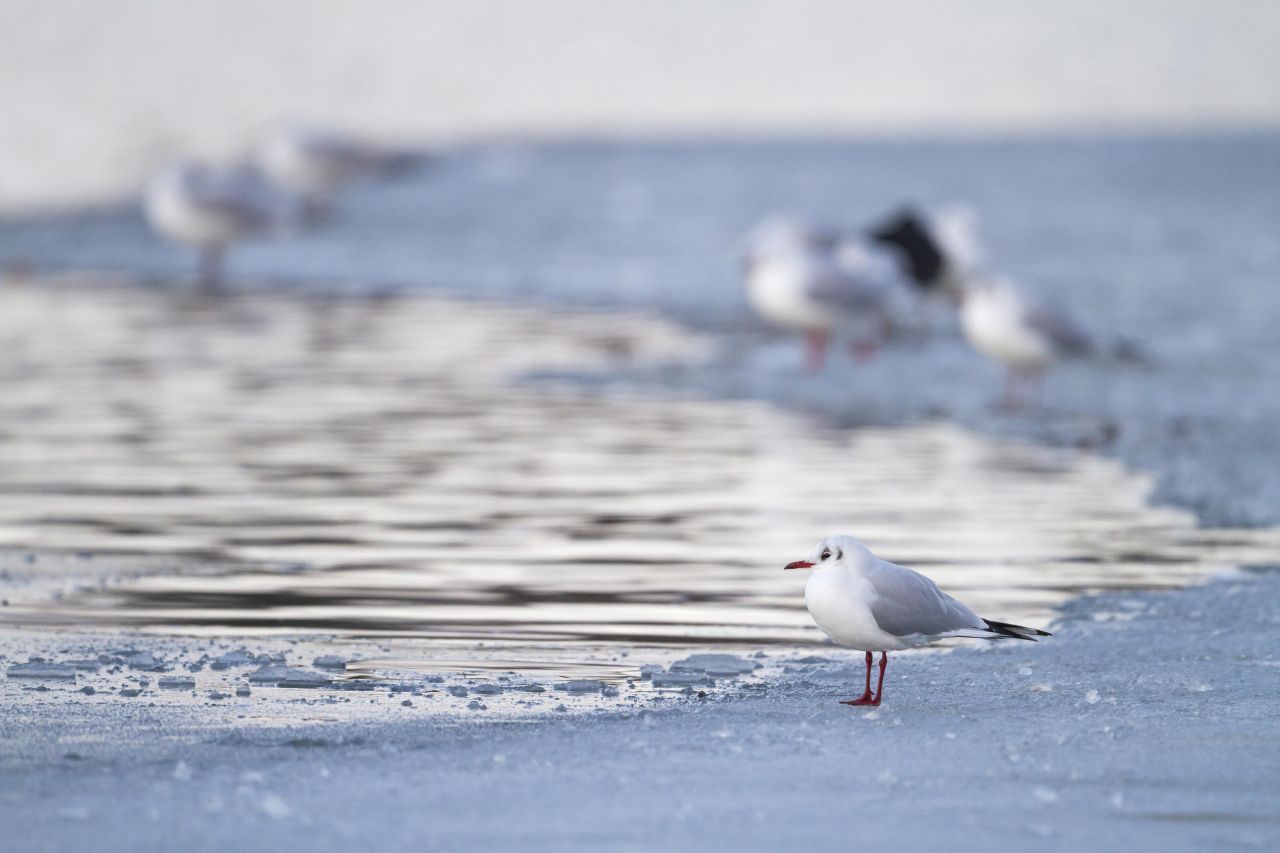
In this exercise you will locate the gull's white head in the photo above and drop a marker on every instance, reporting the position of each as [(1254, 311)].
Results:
[(835, 551)]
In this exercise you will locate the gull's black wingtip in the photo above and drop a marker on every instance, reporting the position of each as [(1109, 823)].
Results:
[(1015, 632)]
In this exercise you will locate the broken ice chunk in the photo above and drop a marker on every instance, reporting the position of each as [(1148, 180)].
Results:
[(716, 665), (283, 676), (43, 669)]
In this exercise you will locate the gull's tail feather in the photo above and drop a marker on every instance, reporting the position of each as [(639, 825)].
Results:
[(1015, 632)]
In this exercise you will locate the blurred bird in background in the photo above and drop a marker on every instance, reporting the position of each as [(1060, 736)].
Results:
[(211, 208), (820, 282)]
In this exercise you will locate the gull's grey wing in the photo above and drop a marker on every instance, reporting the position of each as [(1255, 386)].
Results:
[(909, 603), (1066, 333)]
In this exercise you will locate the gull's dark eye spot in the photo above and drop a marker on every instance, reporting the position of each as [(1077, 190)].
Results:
[(826, 555)]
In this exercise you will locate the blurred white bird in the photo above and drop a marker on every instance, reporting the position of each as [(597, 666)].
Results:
[(314, 163), (819, 283), (863, 602), (1027, 335), (211, 207)]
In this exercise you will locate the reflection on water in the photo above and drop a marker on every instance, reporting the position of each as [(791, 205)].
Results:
[(372, 466)]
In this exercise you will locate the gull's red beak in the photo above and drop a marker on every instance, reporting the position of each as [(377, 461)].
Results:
[(798, 564)]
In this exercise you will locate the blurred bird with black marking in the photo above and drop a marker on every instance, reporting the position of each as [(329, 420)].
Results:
[(823, 283)]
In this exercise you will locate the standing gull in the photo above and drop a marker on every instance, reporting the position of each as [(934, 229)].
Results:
[(210, 208), (1027, 335), (819, 283), (863, 602)]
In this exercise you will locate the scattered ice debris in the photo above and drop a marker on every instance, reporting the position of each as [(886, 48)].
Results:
[(87, 690), (243, 690), (1092, 697), (458, 690), (217, 695), (83, 664), (581, 685), (681, 679), (141, 660), (177, 682), (487, 689), (329, 662), (130, 692), (529, 688), (360, 685), (476, 705), (716, 665), (274, 807), (182, 771), (283, 676), (239, 657), (561, 708), (407, 703), (43, 669), (1041, 688)]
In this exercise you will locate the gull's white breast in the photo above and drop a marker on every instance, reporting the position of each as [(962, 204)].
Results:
[(994, 321), (778, 289), (173, 212), (840, 602)]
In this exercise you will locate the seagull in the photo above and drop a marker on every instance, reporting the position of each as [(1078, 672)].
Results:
[(819, 282), (212, 207), (863, 602), (1024, 334), (313, 162)]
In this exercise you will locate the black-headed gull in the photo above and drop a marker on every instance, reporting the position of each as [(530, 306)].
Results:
[(863, 602), (819, 283), (211, 207)]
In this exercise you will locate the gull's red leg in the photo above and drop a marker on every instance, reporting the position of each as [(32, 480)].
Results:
[(865, 698), (884, 662), (817, 350)]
